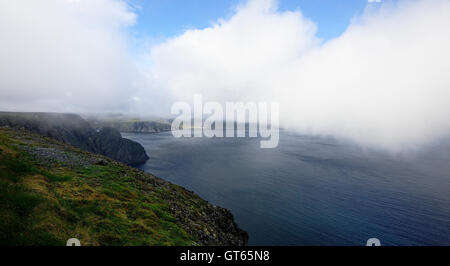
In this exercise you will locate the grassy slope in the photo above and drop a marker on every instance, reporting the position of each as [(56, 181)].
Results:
[(45, 202)]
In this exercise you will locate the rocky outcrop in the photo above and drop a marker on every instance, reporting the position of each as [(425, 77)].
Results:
[(111, 144), (222, 229), (73, 129)]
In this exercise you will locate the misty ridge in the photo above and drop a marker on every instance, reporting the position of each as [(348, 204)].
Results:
[(74, 130), (383, 83)]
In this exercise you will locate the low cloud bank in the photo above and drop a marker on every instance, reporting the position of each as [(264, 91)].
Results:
[(383, 83)]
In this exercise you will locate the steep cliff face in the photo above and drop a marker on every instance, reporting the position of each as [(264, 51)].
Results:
[(111, 144), (73, 129)]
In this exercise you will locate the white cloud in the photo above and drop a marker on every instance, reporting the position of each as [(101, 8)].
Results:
[(232, 56), (383, 83), (59, 55)]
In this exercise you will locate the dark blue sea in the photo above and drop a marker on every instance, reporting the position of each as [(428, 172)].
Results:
[(311, 190)]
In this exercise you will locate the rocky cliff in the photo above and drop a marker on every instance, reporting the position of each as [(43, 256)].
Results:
[(73, 129), (110, 143)]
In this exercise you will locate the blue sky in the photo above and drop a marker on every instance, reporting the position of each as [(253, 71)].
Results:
[(166, 18)]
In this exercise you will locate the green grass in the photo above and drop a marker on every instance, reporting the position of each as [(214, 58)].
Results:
[(98, 204)]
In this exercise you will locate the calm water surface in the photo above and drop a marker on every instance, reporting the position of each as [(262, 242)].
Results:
[(312, 191)]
